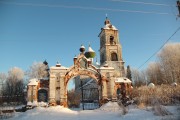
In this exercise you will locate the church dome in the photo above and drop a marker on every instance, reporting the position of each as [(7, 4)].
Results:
[(45, 62), (109, 27), (82, 48), (90, 53)]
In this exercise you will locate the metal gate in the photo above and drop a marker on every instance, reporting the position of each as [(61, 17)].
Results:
[(90, 98)]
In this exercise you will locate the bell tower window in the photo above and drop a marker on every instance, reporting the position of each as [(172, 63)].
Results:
[(114, 57), (111, 40)]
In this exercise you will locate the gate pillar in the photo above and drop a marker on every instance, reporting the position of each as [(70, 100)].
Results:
[(52, 100), (104, 90)]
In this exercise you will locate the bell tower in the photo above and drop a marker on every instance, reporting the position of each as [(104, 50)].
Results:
[(110, 48)]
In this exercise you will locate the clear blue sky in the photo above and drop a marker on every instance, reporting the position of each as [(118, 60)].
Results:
[(35, 30)]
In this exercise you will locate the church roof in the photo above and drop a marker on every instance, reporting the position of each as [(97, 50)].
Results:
[(61, 67), (33, 81), (122, 80), (106, 66), (110, 68), (58, 66), (90, 53), (90, 49), (109, 27)]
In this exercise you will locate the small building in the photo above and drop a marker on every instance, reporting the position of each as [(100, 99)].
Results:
[(123, 86)]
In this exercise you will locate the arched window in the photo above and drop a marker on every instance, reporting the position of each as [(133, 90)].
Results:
[(114, 57), (111, 40)]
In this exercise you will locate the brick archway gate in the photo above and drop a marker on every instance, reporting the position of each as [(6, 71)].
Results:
[(82, 67), (60, 75), (78, 72)]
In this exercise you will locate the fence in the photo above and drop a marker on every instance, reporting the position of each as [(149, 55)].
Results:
[(6, 112)]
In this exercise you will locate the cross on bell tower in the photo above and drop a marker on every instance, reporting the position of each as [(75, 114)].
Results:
[(110, 48)]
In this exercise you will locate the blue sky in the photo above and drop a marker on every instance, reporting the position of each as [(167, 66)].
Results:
[(35, 30)]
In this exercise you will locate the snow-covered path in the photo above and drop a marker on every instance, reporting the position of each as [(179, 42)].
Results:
[(60, 113)]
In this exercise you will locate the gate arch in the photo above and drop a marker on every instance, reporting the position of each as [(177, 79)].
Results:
[(78, 70), (60, 76), (91, 71)]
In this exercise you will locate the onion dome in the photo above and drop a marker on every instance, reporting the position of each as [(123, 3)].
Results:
[(108, 25), (82, 49), (45, 62), (107, 21), (90, 53)]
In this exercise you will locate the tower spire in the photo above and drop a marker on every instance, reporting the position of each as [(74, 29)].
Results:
[(107, 21), (106, 16)]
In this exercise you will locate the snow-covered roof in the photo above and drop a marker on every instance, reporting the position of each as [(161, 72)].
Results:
[(82, 46), (62, 67), (122, 80), (109, 26), (58, 64), (90, 49), (106, 68), (33, 81)]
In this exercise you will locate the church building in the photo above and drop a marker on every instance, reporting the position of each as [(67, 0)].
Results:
[(109, 75)]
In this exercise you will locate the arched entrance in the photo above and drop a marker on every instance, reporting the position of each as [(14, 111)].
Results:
[(80, 69), (42, 95), (83, 93)]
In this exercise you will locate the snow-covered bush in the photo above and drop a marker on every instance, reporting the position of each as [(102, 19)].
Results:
[(164, 94)]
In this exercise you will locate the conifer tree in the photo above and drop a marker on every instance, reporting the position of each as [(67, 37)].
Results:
[(128, 75)]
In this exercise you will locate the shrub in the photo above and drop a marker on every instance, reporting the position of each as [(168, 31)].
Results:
[(164, 94)]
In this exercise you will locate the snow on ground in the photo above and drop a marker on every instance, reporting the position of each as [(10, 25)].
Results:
[(110, 106), (109, 111)]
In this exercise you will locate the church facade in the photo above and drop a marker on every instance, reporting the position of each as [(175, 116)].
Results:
[(108, 75)]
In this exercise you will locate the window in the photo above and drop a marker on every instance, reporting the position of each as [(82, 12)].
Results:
[(111, 40), (114, 57)]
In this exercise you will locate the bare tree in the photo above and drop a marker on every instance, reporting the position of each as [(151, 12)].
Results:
[(169, 59), (74, 98), (154, 73), (14, 84), (2, 83), (165, 70), (138, 77), (37, 70), (3, 77)]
